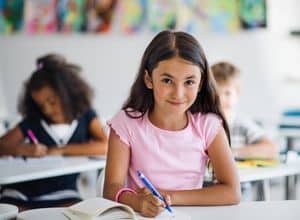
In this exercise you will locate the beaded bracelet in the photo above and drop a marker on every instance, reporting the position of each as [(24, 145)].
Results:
[(122, 190)]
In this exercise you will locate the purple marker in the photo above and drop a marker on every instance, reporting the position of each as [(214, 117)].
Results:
[(32, 136)]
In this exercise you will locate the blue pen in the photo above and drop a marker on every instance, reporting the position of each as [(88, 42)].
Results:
[(152, 189)]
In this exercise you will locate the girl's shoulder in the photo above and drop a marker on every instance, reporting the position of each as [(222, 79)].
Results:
[(127, 115), (207, 125), (89, 113), (204, 118)]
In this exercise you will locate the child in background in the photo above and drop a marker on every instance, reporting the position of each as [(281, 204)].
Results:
[(56, 107), (169, 127), (248, 140)]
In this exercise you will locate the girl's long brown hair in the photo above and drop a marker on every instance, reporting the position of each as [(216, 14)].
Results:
[(164, 46)]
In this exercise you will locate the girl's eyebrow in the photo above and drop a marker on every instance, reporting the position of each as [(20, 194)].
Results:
[(170, 76), (167, 75)]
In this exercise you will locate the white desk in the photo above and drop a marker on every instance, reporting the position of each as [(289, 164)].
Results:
[(261, 173), (275, 210), (267, 173), (20, 170)]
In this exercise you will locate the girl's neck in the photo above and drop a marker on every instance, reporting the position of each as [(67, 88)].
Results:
[(167, 121)]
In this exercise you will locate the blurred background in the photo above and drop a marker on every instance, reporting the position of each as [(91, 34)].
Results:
[(107, 38)]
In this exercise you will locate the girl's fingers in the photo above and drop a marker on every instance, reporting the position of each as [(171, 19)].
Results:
[(156, 201), (153, 211), (168, 199), (144, 191)]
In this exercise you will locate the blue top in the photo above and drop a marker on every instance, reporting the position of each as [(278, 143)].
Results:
[(44, 186)]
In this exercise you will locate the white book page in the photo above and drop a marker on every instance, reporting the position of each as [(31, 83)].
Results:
[(102, 209), (99, 208)]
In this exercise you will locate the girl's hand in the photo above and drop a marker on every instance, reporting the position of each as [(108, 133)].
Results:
[(150, 205), (166, 195), (34, 150)]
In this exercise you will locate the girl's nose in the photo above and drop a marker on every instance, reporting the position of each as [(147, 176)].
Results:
[(47, 110), (178, 91)]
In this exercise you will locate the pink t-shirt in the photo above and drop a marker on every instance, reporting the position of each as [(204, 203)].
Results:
[(172, 160)]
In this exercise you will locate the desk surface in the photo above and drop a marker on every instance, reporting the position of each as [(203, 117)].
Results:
[(20, 170), (290, 132), (261, 173), (275, 210)]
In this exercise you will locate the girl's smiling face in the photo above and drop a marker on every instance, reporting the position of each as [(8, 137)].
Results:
[(175, 83), (49, 103)]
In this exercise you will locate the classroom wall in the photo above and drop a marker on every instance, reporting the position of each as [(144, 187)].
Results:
[(269, 60), (3, 111)]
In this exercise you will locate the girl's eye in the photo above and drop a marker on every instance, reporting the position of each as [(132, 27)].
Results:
[(52, 102), (190, 82), (167, 81)]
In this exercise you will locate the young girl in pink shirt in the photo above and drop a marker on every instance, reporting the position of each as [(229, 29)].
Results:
[(169, 127)]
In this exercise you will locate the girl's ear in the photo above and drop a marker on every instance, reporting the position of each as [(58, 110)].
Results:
[(148, 80)]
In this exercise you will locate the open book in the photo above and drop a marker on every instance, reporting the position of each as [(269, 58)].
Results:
[(103, 209)]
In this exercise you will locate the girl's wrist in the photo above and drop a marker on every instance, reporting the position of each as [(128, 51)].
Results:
[(131, 199), (123, 190), (20, 151)]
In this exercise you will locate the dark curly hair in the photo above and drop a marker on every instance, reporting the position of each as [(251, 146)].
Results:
[(166, 45), (54, 71)]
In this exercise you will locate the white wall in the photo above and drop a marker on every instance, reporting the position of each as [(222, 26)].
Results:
[(269, 60), (3, 110), (109, 63)]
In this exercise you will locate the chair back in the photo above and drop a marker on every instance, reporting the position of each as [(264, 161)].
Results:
[(100, 183)]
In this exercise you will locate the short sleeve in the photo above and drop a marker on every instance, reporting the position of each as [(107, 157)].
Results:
[(24, 125), (120, 124), (254, 133), (90, 115), (210, 124)]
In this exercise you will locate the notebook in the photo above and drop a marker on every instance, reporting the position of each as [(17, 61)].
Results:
[(103, 209)]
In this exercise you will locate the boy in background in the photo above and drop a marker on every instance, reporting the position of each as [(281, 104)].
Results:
[(248, 140)]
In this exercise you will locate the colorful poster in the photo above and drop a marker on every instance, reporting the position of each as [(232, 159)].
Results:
[(223, 15), (71, 15), (253, 13), (11, 16), (133, 14), (161, 14), (40, 16), (100, 14), (192, 15)]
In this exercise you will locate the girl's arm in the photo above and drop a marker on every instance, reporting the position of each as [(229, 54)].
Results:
[(12, 144), (96, 146), (226, 191), (116, 171), (265, 148)]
